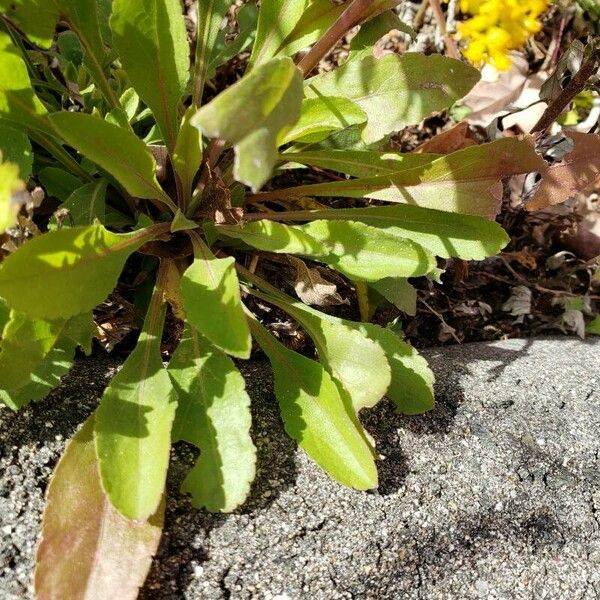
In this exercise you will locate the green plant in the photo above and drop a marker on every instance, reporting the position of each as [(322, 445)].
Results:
[(99, 106)]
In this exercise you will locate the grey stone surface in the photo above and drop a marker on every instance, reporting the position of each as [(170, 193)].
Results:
[(494, 494)]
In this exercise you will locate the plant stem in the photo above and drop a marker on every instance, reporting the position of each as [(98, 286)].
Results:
[(573, 88), (438, 13)]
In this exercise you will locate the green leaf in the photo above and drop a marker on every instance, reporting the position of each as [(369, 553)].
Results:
[(211, 14), (318, 17), (58, 182), (88, 550), (360, 163), (118, 151), (276, 20), (396, 91), (593, 327), (213, 413), (210, 287), (320, 116), (48, 372), (411, 387), (37, 18), (270, 236), (67, 272), (367, 253), (187, 156), (133, 423), (85, 205), (10, 186), (25, 344), (399, 292), (15, 147), (182, 223), (314, 414), (18, 101), (468, 181), (443, 234), (269, 98), (349, 356), (151, 39)]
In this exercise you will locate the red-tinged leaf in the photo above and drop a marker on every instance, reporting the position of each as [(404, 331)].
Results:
[(456, 138), (88, 551), (578, 172)]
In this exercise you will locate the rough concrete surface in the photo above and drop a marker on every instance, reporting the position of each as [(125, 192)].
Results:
[(494, 494)]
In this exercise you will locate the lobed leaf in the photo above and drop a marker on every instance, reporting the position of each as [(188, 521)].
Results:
[(396, 91), (213, 413), (88, 551), (314, 414), (151, 39), (269, 98)]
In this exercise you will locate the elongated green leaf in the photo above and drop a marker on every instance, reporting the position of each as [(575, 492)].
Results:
[(213, 413), (275, 237), (468, 181), (399, 292), (367, 253), (443, 234), (356, 361), (10, 187), (47, 372), (187, 156), (210, 287), (315, 416), (361, 163), (269, 98), (15, 147), (211, 14), (18, 102), (411, 388), (37, 18), (58, 182), (152, 43), (320, 116), (318, 17), (133, 423), (88, 550), (67, 272), (396, 91), (86, 204), (118, 151), (25, 344), (276, 20)]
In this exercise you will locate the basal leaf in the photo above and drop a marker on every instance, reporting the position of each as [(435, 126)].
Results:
[(316, 19), (209, 288), (58, 183), (133, 422), (314, 414), (398, 292), (270, 236), (67, 272), (15, 147), (468, 181), (187, 155), (411, 387), (11, 186), (368, 253), (89, 551), (443, 234), (151, 39), (86, 204), (18, 102), (211, 14), (360, 163), (118, 151), (213, 413), (320, 116), (269, 98), (276, 20), (37, 18), (396, 91), (356, 361)]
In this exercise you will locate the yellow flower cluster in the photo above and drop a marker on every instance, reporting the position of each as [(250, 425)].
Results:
[(498, 26)]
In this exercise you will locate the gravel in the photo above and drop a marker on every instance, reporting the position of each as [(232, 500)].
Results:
[(494, 494)]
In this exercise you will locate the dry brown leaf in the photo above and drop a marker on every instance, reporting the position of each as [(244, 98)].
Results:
[(578, 172), (456, 138), (312, 288)]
